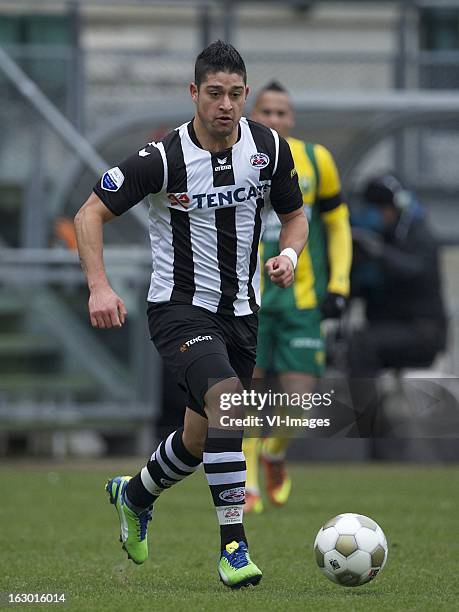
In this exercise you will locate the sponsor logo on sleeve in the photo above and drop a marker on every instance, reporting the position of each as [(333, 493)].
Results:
[(259, 160), (112, 179), (143, 152)]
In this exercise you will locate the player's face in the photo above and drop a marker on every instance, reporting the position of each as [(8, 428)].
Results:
[(274, 110), (220, 102)]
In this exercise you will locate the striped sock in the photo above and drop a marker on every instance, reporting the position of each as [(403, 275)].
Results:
[(224, 465), (170, 463)]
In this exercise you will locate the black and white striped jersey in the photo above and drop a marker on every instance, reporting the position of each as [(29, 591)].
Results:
[(208, 217)]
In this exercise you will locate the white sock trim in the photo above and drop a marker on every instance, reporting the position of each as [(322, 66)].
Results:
[(222, 457), (173, 457), (226, 478), (149, 483), (165, 468)]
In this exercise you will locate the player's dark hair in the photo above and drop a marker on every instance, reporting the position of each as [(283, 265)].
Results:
[(273, 86), (218, 57)]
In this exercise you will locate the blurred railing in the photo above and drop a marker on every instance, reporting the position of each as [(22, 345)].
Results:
[(56, 372), (91, 88)]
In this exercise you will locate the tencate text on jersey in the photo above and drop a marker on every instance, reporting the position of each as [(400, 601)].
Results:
[(230, 197)]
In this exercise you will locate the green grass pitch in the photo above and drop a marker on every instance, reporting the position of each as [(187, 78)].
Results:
[(59, 534)]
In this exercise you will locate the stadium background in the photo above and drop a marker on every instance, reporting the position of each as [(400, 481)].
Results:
[(83, 83)]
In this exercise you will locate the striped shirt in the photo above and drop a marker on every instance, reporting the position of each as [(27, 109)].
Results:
[(208, 217)]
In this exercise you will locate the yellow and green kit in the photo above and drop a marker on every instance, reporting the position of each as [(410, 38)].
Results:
[(289, 337)]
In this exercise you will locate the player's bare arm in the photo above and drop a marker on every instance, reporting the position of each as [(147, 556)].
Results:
[(293, 237), (106, 308)]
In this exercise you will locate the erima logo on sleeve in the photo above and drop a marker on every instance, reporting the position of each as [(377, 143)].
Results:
[(143, 152), (112, 179)]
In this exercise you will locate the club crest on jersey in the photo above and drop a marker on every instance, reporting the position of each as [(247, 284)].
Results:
[(259, 160), (112, 179), (179, 199)]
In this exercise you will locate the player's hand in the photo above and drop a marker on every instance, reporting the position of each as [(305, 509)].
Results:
[(106, 309), (280, 270), (333, 306)]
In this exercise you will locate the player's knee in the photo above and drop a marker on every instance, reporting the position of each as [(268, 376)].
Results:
[(194, 433), (219, 397), (201, 379), (194, 442)]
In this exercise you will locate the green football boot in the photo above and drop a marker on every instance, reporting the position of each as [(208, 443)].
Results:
[(133, 526), (235, 567)]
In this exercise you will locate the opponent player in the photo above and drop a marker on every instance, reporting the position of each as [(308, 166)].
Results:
[(289, 337), (216, 176)]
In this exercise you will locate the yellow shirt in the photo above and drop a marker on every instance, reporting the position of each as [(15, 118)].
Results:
[(324, 264)]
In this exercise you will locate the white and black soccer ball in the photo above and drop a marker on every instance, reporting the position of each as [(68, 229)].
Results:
[(350, 549)]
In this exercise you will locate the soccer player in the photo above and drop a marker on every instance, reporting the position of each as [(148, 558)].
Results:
[(217, 176), (289, 336)]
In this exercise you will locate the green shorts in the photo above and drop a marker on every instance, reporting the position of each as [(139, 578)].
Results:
[(291, 341)]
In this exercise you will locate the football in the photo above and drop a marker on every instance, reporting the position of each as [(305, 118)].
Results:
[(350, 549)]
